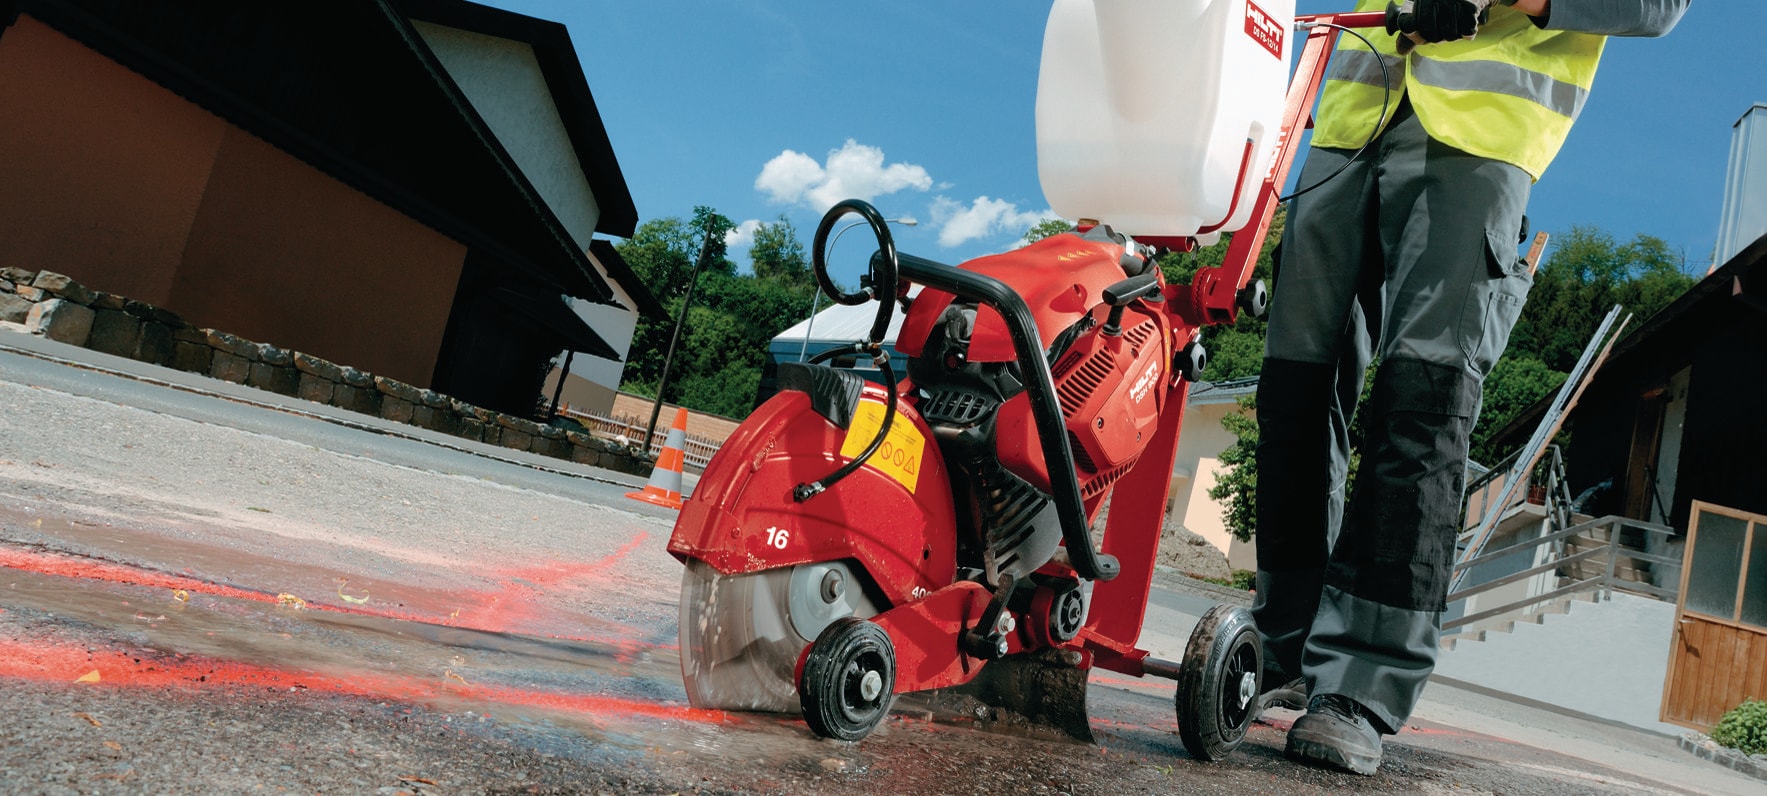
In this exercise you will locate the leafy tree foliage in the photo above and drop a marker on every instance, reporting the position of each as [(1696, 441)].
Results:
[(717, 363), (1046, 228)]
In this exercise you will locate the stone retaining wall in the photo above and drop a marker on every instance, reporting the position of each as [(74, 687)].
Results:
[(61, 309)]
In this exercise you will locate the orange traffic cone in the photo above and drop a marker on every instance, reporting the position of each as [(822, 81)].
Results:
[(664, 488)]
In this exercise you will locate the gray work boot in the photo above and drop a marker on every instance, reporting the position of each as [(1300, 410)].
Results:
[(1335, 733)]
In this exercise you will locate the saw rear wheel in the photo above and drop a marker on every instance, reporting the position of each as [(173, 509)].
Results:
[(1218, 686), (849, 679)]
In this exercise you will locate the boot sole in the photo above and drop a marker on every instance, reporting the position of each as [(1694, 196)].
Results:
[(1323, 752)]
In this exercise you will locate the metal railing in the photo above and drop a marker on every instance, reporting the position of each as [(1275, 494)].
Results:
[(630, 431), (1602, 545)]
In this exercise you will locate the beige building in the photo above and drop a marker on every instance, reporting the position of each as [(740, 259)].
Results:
[(1198, 467)]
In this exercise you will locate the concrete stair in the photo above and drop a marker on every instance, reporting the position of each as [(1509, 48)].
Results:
[(1525, 615)]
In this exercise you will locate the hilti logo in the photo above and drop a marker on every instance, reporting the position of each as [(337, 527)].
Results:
[(1263, 28), (1145, 383)]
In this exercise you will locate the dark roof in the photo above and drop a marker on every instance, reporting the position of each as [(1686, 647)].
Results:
[(616, 267), (570, 92), (550, 313), (349, 87), (1703, 304)]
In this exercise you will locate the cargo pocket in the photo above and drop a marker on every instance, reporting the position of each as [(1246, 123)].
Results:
[(1493, 303)]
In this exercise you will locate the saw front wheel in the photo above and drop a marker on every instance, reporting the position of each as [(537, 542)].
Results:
[(1218, 686), (849, 679)]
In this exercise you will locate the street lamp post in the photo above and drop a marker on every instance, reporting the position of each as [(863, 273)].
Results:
[(816, 294), (705, 254)]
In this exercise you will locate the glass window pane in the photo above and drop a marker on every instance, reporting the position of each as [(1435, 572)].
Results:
[(1754, 590), (1715, 565)]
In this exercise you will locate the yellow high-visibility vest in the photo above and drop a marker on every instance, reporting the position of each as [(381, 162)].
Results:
[(1510, 93)]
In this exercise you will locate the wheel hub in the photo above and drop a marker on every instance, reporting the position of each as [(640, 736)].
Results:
[(1248, 688), (870, 685)]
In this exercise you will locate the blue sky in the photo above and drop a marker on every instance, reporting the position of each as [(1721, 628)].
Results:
[(766, 108)]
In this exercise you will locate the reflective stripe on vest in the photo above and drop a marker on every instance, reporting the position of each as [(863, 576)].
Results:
[(1509, 94)]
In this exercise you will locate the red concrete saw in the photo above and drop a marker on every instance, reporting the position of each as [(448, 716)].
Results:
[(855, 540)]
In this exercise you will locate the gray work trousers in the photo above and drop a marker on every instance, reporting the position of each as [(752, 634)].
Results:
[(1410, 254)]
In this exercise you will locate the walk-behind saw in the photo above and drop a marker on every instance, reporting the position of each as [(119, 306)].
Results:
[(854, 540)]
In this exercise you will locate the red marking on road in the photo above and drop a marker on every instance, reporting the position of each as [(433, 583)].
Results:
[(90, 569), (555, 573), (64, 663)]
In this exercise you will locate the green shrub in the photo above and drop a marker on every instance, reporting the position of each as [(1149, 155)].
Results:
[(1744, 728)]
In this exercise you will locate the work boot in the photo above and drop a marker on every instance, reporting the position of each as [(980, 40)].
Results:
[(1335, 733)]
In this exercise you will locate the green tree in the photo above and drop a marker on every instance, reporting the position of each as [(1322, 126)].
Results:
[(1047, 228), (1237, 487), (733, 317), (777, 253)]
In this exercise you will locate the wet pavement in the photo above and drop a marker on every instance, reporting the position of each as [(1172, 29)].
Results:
[(204, 595)]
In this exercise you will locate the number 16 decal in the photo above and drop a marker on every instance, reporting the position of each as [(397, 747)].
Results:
[(778, 537)]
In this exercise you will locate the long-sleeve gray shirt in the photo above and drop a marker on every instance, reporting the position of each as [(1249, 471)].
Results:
[(1613, 17)]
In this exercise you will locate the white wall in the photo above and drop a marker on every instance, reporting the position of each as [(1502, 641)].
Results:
[(1744, 217), (503, 81), (1606, 659)]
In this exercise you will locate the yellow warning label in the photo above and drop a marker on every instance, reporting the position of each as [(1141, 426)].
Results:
[(900, 454)]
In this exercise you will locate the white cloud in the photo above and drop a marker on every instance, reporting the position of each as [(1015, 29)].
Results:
[(959, 224), (855, 171), (743, 235)]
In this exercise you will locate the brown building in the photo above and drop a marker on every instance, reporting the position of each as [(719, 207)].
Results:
[(409, 187)]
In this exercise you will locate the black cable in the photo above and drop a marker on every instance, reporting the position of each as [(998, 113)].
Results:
[(1385, 103)]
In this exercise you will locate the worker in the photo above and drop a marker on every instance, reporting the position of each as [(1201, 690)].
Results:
[(1408, 255)]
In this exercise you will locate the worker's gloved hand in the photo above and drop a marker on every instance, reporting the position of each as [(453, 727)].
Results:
[(1445, 20)]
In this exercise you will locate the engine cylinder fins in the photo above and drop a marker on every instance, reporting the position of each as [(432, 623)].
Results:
[(956, 407), (1021, 524)]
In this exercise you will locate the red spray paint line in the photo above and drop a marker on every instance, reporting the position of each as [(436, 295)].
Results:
[(63, 663), (89, 569)]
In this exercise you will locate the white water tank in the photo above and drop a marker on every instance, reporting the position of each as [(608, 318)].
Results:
[(1744, 217), (1146, 110)]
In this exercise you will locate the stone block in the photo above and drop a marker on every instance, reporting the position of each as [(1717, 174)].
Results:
[(60, 320), (271, 355), (18, 275), (435, 400), (493, 433), (324, 369), (149, 312), (470, 427), (280, 380), (358, 379), (356, 399), (63, 286), (14, 309), (231, 367), (114, 332), (31, 294), (156, 345), (551, 432), (191, 334), (434, 419), (516, 440), (556, 448), (519, 424), (395, 409), (237, 346), (191, 357), (473, 411), (107, 301), (584, 454), (398, 389), (314, 388)]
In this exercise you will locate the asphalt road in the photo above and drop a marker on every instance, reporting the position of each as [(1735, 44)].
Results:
[(204, 590)]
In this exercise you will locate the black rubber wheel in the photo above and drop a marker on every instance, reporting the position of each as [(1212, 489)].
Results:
[(849, 679), (1218, 686)]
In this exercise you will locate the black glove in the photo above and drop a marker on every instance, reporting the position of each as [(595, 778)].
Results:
[(1446, 20)]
